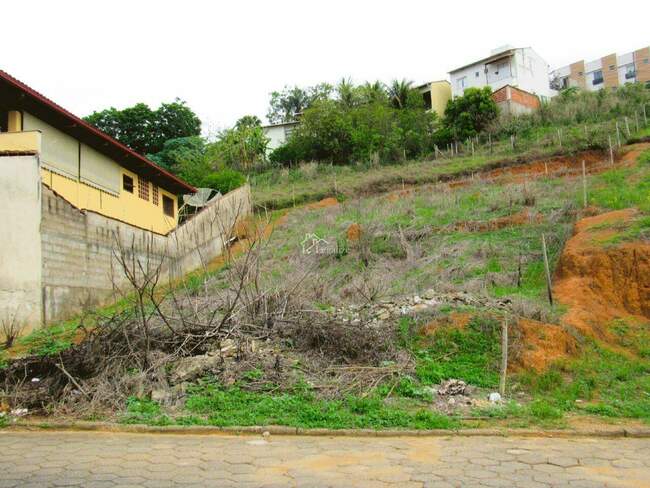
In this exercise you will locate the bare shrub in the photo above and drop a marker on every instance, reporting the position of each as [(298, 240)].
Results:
[(11, 327)]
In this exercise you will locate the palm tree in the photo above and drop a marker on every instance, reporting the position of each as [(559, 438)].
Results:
[(398, 92), (373, 92), (346, 92)]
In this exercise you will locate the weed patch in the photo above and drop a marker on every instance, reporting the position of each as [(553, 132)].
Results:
[(144, 411), (599, 381), (470, 354), (233, 406)]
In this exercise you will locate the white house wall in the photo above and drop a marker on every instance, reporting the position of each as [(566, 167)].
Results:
[(276, 136), (20, 245), (532, 72)]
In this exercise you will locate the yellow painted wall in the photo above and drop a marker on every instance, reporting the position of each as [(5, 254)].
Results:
[(127, 207), (440, 95), (14, 121), (20, 141)]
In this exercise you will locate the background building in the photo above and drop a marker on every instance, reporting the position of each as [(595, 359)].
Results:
[(436, 94), (278, 134), (607, 72), (521, 68)]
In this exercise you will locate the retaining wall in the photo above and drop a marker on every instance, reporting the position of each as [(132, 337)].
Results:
[(57, 260)]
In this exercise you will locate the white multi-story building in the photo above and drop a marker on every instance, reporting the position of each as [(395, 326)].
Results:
[(521, 68)]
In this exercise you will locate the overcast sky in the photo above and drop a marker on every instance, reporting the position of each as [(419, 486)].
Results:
[(224, 58)]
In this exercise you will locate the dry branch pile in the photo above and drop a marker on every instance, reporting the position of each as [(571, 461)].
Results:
[(169, 336)]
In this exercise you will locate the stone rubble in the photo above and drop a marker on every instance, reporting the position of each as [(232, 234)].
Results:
[(374, 313)]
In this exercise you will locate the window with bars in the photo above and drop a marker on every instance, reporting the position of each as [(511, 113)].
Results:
[(143, 188), (155, 196)]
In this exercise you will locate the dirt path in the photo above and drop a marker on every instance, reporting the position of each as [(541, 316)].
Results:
[(48, 459)]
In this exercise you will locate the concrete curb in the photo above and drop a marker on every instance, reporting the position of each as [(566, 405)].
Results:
[(31, 426)]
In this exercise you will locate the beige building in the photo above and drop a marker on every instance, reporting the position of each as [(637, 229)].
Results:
[(436, 94), (610, 71)]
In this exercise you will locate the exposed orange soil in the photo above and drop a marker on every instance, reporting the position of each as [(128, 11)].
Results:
[(542, 345), (602, 283), (394, 196), (520, 218), (595, 162), (354, 232), (324, 203), (569, 164), (538, 344)]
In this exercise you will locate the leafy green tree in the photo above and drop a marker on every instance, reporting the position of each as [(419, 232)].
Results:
[(467, 115), (175, 151), (224, 180), (284, 105), (243, 146), (323, 134), (145, 130)]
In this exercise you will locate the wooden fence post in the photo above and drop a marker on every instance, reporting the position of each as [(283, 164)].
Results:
[(559, 137), (548, 271), (627, 127), (504, 357), (618, 135), (645, 118), (584, 184), (611, 150)]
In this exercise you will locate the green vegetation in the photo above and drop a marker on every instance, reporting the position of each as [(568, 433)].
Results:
[(391, 144), (50, 341), (144, 411), (599, 382), (145, 130), (624, 187), (471, 354), (301, 408), (209, 403)]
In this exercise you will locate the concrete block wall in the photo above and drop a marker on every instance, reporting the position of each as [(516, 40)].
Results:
[(79, 248)]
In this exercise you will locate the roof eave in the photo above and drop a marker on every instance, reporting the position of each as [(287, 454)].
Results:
[(172, 180)]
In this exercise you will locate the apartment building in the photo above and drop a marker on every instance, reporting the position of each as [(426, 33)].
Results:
[(610, 71)]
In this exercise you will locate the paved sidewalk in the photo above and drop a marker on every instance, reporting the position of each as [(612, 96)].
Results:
[(49, 459)]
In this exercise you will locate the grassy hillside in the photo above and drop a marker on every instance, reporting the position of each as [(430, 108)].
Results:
[(342, 337)]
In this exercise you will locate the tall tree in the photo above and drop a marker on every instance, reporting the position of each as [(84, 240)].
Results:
[(373, 92), (145, 130), (285, 105), (347, 93), (248, 121)]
